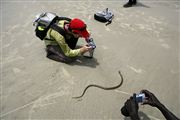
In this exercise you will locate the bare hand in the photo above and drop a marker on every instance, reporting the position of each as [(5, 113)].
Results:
[(130, 108), (85, 49), (150, 99)]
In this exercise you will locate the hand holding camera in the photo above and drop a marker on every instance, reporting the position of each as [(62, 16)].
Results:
[(131, 107), (85, 49), (91, 44), (150, 99)]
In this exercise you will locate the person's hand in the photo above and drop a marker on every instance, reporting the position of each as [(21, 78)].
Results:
[(85, 49), (130, 108), (150, 99)]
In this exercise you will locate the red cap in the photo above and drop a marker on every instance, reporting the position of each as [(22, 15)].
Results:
[(79, 27)]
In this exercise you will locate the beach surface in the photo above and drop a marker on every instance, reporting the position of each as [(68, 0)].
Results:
[(142, 42)]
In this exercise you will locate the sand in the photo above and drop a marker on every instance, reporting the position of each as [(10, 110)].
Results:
[(142, 42)]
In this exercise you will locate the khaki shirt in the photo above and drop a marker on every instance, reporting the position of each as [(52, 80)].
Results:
[(58, 39)]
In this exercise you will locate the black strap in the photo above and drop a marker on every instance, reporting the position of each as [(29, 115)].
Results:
[(48, 39), (58, 29), (63, 18), (110, 20)]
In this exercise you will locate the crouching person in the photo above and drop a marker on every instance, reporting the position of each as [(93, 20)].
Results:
[(60, 35)]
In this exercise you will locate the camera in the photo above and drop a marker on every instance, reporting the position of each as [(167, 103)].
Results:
[(90, 42), (139, 98)]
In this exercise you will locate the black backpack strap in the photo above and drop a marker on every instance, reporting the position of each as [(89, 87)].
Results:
[(64, 18), (59, 30), (110, 20)]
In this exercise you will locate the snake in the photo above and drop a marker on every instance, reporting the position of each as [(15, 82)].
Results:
[(101, 87)]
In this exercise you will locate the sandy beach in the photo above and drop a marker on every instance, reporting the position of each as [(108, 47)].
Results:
[(142, 42)]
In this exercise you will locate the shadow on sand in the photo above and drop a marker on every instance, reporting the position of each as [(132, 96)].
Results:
[(142, 116), (141, 5), (83, 61)]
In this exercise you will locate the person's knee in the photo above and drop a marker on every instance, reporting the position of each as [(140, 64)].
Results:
[(69, 60), (55, 53)]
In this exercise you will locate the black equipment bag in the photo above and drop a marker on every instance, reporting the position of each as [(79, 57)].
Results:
[(104, 16)]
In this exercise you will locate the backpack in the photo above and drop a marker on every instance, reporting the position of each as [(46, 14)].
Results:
[(47, 20), (104, 16)]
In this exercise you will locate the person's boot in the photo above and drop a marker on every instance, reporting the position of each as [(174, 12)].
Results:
[(128, 4), (134, 2)]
